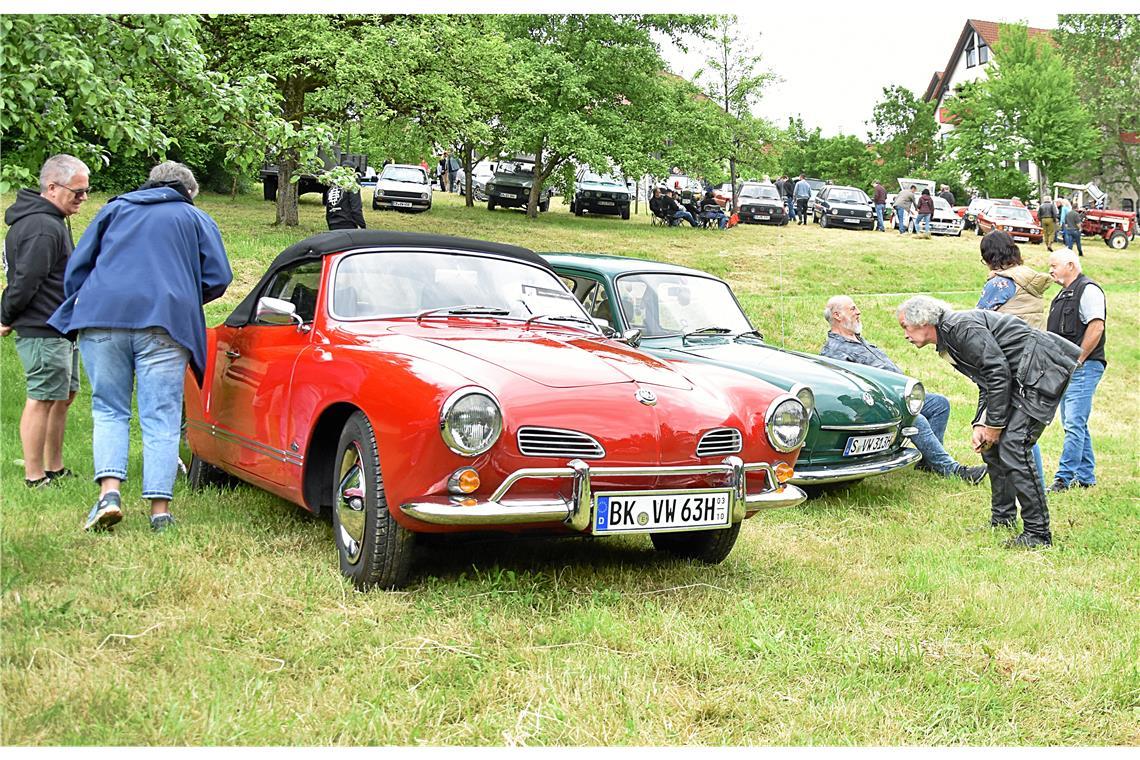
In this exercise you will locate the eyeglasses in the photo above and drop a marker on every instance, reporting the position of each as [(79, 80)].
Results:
[(81, 192)]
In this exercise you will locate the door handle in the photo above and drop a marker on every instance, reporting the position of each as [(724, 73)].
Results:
[(233, 354)]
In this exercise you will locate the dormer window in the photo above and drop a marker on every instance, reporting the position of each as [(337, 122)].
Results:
[(983, 53), (971, 53)]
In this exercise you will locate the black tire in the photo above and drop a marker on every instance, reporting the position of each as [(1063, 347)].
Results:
[(823, 221), (978, 231), (490, 204), (374, 550), (200, 474), (576, 209), (625, 212), (544, 205), (710, 546), (1117, 241)]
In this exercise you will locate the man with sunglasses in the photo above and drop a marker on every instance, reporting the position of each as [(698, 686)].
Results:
[(35, 256)]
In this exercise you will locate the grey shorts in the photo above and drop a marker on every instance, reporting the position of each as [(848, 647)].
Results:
[(51, 367)]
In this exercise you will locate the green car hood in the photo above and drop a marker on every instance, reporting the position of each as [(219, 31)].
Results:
[(841, 394), (512, 180)]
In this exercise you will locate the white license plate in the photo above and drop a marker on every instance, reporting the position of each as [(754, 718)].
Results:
[(868, 444), (762, 216), (507, 195), (654, 511), (1021, 238), (401, 204), (605, 203), (851, 220)]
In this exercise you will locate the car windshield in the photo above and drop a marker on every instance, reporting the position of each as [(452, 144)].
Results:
[(940, 204), (1015, 213), (601, 179), (676, 304), (816, 184), (513, 167), (375, 285), (759, 191), (404, 174), (847, 195)]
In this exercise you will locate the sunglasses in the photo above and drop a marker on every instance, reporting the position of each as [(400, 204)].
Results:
[(81, 192)]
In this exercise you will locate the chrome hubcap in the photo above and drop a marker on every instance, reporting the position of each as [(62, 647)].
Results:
[(350, 502)]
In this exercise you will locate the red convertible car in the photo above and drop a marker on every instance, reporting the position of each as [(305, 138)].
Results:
[(412, 383)]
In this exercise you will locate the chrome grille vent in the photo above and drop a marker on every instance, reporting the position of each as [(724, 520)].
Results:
[(551, 442), (720, 442)]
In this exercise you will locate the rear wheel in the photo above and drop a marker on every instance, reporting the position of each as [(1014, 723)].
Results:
[(374, 549), (710, 546), (490, 204), (1117, 240)]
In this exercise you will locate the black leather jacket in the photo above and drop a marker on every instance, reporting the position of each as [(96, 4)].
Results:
[(1013, 364)]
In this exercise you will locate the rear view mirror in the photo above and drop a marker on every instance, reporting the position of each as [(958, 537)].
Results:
[(632, 337)]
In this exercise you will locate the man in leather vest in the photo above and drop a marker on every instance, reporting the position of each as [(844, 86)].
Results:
[(1078, 315), (1021, 374)]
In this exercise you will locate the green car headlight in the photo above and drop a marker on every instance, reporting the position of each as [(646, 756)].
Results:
[(470, 421), (806, 397), (786, 423), (914, 395)]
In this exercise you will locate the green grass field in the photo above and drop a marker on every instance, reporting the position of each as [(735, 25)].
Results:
[(887, 613)]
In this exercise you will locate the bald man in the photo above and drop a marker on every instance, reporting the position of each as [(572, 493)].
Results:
[(1077, 314), (845, 342)]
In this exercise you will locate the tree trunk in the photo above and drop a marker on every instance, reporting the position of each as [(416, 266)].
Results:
[(732, 179), (536, 186), (287, 191), (233, 188), (468, 170)]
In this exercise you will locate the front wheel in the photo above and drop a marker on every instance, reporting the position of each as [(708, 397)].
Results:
[(1118, 241), (490, 204), (374, 549), (710, 546), (625, 212), (823, 221), (544, 205)]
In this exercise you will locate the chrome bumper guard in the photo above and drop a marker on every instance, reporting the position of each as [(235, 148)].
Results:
[(906, 457), (578, 511)]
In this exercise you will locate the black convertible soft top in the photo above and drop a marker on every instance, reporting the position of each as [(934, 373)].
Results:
[(325, 243)]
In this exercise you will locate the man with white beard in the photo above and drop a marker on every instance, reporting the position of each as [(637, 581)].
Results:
[(845, 342)]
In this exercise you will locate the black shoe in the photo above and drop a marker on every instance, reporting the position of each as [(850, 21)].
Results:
[(1085, 485), (1058, 486), (973, 475), (161, 521), (43, 482), (1002, 523), (1028, 541), (62, 472)]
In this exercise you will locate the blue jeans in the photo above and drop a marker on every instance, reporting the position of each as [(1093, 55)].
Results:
[(879, 207), (791, 204), (1077, 460), (1072, 240), (931, 424), (682, 214), (900, 214), (923, 223), (115, 359)]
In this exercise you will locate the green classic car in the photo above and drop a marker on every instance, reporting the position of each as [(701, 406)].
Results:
[(861, 416)]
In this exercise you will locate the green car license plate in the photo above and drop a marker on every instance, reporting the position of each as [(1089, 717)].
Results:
[(660, 511)]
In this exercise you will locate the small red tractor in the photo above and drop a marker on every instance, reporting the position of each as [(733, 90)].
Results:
[(1116, 228)]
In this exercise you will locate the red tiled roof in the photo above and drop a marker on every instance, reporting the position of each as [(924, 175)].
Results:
[(935, 83), (989, 31)]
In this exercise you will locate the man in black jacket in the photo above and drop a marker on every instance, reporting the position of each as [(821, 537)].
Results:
[(1021, 374), (35, 257), (343, 210)]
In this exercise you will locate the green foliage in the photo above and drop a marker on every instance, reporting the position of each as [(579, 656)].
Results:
[(843, 159), (1102, 51), (903, 130)]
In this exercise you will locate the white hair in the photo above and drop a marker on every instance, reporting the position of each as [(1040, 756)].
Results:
[(59, 169), (919, 311), (833, 303), (1065, 256), (172, 171)]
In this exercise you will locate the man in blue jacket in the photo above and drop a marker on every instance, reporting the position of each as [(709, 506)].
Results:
[(134, 290), (802, 193)]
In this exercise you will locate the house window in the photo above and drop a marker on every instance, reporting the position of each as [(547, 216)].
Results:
[(1023, 166), (971, 53), (983, 53), (1127, 204)]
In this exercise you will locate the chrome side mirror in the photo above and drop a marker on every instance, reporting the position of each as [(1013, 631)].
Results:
[(632, 337), (278, 311)]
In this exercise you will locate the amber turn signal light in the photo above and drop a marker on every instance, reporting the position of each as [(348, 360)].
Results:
[(784, 472), (465, 480)]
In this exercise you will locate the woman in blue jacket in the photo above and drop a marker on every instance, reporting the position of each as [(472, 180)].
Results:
[(134, 290)]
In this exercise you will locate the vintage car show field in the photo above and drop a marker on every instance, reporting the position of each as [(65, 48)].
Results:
[(886, 612)]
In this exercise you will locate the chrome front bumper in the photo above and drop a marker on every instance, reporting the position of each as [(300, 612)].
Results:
[(811, 476), (578, 511)]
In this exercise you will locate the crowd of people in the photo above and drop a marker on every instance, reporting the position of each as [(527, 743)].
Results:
[(129, 299)]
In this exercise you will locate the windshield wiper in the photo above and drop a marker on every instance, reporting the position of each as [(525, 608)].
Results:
[(464, 311), (559, 318), (750, 334), (711, 330)]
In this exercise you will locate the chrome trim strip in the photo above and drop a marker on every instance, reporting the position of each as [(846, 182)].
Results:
[(906, 457), (288, 457), (578, 511), (861, 428)]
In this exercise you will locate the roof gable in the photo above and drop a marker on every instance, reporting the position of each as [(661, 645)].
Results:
[(989, 32)]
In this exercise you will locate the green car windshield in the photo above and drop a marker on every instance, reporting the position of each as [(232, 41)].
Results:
[(662, 305)]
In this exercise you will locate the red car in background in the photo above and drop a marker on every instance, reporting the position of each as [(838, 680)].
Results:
[(1016, 220), (413, 384)]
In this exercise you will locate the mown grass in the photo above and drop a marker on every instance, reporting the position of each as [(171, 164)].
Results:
[(886, 613)]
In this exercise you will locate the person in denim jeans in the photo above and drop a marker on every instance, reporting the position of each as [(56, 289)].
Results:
[(880, 201), (845, 342), (134, 289)]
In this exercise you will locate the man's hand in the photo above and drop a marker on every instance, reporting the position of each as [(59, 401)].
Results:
[(985, 437), (4, 330)]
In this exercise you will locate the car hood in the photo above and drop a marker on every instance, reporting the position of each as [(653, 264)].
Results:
[(410, 187), (512, 180), (760, 201), (549, 357), (839, 393), (597, 187), (849, 205)]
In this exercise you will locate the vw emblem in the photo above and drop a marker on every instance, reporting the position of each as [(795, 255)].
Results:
[(646, 396), (868, 399)]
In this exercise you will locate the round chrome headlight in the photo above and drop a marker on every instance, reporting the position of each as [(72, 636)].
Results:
[(470, 421), (806, 397), (914, 395), (423, 196), (786, 423)]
